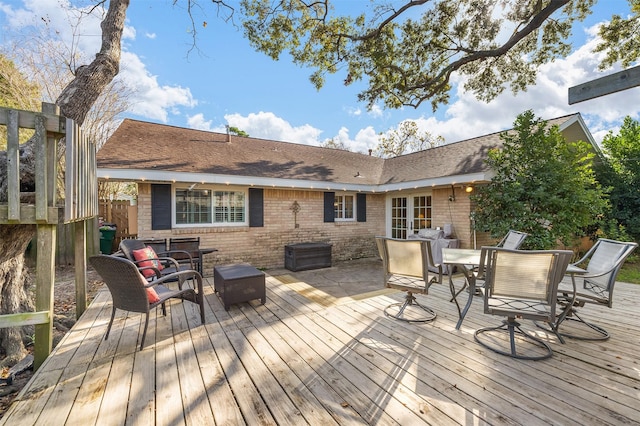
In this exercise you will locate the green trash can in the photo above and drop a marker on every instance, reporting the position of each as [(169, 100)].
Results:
[(107, 235)]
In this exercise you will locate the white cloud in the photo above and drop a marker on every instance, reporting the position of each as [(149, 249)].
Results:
[(151, 36), (59, 16), (152, 100), (267, 125), (198, 122), (354, 112), (376, 111), (467, 117), (365, 139)]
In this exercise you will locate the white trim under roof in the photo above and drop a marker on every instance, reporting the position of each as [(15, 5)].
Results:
[(130, 175)]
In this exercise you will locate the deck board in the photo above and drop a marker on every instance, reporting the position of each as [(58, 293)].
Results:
[(327, 360)]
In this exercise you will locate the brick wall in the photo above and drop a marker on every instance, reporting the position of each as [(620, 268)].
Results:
[(264, 247)]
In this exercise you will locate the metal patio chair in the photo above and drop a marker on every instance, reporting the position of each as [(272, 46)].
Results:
[(406, 268), (521, 284), (512, 241), (597, 270)]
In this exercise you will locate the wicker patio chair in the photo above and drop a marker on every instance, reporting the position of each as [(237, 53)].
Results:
[(159, 245), (521, 284), (597, 270), (406, 268), (169, 264), (130, 291), (186, 250)]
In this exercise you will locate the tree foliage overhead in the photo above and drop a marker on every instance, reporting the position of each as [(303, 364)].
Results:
[(621, 38), (543, 185), (621, 174), (408, 53)]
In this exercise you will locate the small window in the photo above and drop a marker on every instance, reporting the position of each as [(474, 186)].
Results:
[(344, 207)]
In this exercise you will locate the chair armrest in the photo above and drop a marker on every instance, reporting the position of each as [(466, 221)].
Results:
[(180, 276), (153, 268), (188, 255), (162, 260)]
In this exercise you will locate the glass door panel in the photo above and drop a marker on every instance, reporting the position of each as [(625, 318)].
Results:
[(421, 212), (399, 220)]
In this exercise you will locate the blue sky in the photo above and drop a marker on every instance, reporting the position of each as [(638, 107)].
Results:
[(227, 82)]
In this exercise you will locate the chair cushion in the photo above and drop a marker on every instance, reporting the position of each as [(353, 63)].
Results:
[(152, 295), (150, 254)]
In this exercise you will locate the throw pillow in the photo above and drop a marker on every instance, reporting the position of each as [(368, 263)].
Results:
[(152, 295), (149, 258)]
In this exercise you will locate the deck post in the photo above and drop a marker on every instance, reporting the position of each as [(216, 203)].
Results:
[(80, 261), (45, 276)]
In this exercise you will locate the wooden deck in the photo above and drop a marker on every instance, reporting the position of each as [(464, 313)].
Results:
[(296, 361)]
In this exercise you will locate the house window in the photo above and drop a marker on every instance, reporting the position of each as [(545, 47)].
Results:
[(228, 206), (206, 207), (344, 207), (193, 207)]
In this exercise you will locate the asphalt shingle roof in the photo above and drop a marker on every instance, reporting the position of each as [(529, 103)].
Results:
[(140, 145)]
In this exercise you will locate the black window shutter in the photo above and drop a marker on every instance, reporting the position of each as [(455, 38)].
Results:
[(160, 206), (361, 205), (256, 207), (329, 212)]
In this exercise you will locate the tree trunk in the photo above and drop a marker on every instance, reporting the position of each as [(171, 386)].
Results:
[(14, 293), (75, 101)]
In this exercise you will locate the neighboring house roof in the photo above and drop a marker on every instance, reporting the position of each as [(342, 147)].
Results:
[(141, 150)]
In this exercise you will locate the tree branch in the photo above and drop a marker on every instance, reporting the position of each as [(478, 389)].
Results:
[(80, 94), (443, 77)]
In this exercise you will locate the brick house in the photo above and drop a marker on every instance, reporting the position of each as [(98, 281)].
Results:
[(250, 197)]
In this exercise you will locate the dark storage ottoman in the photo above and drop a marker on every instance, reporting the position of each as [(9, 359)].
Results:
[(301, 256), (239, 283)]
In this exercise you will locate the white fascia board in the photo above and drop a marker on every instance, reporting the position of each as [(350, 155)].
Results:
[(441, 181), (173, 177)]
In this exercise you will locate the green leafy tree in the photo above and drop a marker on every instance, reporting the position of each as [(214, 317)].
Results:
[(16, 92), (543, 185), (408, 53), (621, 38), (621, 175), (406, 138), (238, 132)]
